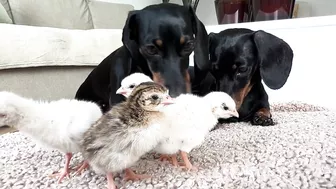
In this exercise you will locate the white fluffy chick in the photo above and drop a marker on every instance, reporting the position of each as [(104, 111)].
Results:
[(57, 124), (190, 119), (131, 81)]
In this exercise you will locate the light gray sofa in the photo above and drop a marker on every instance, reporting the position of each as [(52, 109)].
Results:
[(48, 47)]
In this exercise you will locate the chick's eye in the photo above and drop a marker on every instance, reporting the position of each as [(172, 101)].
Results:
[(132, 86), (225, 107), (155, 97), (151, 50)]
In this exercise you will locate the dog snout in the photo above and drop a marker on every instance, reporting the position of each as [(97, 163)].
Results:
[(174, 81), (176, 90)]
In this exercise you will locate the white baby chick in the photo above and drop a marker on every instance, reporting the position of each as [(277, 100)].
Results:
[(190, 119), (57, 124), (131, 81)]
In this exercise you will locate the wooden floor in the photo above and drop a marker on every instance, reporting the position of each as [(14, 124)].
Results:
[(4, 130)]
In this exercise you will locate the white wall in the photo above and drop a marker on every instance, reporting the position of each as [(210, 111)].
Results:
[(321, 7), (206, 8)]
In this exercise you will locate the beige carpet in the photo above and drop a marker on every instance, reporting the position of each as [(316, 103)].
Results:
[(299, 152)]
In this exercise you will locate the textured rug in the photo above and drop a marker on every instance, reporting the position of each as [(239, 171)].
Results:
[(299, 152)]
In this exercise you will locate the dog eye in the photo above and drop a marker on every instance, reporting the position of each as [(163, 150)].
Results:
[(242, 69), (155, 97), (151, 50), (189, 46)]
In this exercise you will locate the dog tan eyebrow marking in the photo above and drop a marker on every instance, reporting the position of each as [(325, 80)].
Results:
[(159, 42), (157, 78), (182, 40)]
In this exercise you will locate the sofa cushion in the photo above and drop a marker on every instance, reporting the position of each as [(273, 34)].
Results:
[(70, 14), (109, 15), (4, 17), (28, 46)]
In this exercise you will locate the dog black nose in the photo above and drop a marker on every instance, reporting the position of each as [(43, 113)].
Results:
[(175, 91)]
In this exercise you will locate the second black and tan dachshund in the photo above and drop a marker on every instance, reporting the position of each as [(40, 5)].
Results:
[(241, 59)]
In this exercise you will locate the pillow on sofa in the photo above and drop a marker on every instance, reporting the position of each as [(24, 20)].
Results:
[(45, 46), (4, 18)]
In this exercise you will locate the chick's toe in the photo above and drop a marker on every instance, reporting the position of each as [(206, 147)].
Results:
[(171, 158), (186, 164), (130, 175), (110, 182), (81, 167)]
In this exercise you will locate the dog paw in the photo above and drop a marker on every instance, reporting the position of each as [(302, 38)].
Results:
[(262, 120)]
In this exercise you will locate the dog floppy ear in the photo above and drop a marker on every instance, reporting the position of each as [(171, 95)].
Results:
[(201, 52), (213, 41), (130, 33), (275, 59)]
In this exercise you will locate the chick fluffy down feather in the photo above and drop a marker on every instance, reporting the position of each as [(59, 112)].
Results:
[(115, 142), (56, 124), (187, 123)]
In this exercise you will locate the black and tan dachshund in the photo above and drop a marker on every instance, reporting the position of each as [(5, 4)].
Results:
[(240, 59), (157, 41)]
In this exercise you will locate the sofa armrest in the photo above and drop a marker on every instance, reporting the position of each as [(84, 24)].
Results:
[(27, 46)]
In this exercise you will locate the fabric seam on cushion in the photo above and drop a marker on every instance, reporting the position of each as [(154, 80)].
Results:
[(10, 12), (90, 14)]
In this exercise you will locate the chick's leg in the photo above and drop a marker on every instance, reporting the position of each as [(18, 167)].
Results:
[(130, 175), (174, 160), (186, 165), (65, 171), (110, 182), (81, 167)]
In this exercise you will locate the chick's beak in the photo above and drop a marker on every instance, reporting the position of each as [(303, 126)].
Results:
[(121, 91), (168, 100), (234, 113)]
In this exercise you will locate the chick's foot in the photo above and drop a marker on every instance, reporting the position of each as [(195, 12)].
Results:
[(164, 157), (171, 158), (130, 175), (186, 164), (110, 182), (81, 167), (65, 172)]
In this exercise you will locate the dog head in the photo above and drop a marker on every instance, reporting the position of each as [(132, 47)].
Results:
[(242, 57), (165, 35)]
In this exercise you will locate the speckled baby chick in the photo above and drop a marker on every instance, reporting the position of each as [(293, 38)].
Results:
[(190, 119), (130, 82), (126, 132)]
